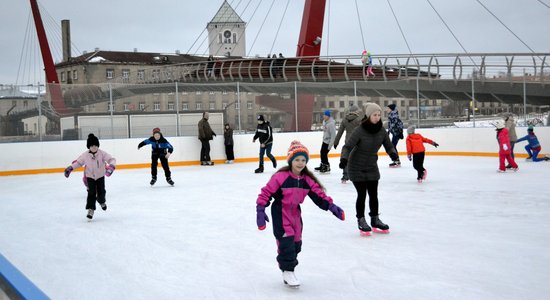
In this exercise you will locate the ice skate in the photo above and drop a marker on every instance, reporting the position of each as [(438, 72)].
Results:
[(344, 179), (90, 214), (514, 169), (419, 180), (530, 158), (153, 180), (378, 226), (103, 206), (274, 163), (325, 169), (169, 180), (259, 170), (395, 164), (318, 168), (364, 228), (425, 174), (209, 163), (289, 278), (501, 171), (204, 163)]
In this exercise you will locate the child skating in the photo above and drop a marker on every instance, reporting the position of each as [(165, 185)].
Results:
[(504, 153), (96, 169), (416, 152), (288, 187), (160, 149), (360, 155), (533, 147)]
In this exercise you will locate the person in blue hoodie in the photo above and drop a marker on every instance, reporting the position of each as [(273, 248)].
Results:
[(161, 149), (533, 148)]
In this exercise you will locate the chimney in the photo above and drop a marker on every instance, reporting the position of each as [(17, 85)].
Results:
[(66, 39)]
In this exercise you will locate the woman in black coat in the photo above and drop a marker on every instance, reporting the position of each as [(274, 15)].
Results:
[(360, 155)]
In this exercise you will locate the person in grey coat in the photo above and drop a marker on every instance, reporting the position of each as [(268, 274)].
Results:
[(329, 134), (360, 155), (351, 121), (510, 124)]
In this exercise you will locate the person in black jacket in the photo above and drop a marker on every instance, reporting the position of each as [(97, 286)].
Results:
[(264, 133), (161, 149), (228, 142)]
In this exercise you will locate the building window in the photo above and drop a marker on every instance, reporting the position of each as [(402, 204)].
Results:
[(212, 105), (126, 106), (224, 105), (25, 104), (184, 106), (237, 105), (198, 92), (331, 104), (142, 106), (75, 75), (342, 104), (219, 38), (170, 105), (125, 74), (156, 106), (198, 106), (141, 74), (224, 92), (110, 73), (63, 77), (234, 38), (227, 37), (249, 105)]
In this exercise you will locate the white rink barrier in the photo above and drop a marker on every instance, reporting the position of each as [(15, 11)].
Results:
[(47, 157)]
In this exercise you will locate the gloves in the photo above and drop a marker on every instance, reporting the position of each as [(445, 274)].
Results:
[(167, 155), (343, 163), (68, 171), (436, 144), (337, 211), (213, 134), (335, 145), (109, 170), (505, 147), (261, 217), (141, 145), (410, 157)]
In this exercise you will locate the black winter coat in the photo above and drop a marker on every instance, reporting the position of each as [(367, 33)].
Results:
[(264, 133)]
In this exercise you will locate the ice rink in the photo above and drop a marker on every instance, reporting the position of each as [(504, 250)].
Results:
[(468, 232)]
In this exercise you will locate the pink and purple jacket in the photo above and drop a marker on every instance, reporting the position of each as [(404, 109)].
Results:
[(288, 192), (95, 163)]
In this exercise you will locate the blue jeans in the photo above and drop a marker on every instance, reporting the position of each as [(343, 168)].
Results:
[(266, 150), (533, 154)]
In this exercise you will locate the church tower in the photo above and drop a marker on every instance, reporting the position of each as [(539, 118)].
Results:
[(226, 33)]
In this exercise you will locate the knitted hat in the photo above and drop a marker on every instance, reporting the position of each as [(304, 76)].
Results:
[(392, 106), (371, 108), (327, 113), (353, 108), (156, 130), (261, 118), (92, 141), (530, 128), (411, 129), (296, 149), (499, 124)]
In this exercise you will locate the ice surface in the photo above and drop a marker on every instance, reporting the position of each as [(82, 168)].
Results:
[(468, 232)]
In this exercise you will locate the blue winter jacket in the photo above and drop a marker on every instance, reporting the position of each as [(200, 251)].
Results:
[(532, 139), (159, 147)]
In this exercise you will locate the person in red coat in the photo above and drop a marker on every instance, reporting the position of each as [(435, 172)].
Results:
[(416, 151), (505, 149)]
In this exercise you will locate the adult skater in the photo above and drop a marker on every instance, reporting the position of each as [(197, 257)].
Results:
[(416, 152), (395, 127), (206, 134), (360, 155), (329, 134), (350, 122), (510, 124), (95, 161), (264, 133), (289, 187), (533, 147), (504, 147), (160, 149), (228, 142)]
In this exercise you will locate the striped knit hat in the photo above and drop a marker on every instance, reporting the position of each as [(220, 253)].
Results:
[(296, 149)]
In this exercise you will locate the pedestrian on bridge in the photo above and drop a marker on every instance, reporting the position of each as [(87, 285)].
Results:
[(206, 134)]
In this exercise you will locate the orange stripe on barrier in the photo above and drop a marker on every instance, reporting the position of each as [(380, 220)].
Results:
[(239, 160)]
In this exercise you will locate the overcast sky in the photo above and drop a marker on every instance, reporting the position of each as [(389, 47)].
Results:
[(169, 25)]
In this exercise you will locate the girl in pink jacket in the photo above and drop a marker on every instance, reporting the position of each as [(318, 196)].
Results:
[(95, 161), (288, 187), (505, 149)]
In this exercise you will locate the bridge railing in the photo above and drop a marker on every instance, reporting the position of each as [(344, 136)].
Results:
[(510, 67)]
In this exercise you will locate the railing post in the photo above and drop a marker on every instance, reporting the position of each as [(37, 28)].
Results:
[(524, 97), (355, 92), (473, 99), (39, 101), (177, 111), (296, 105), (239, 101), (417, 103), (112, 108)]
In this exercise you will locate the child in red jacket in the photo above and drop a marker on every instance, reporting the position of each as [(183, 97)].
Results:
[(505, 152), (416, 152)]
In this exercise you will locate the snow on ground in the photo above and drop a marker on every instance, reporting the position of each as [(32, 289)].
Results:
[(466, 233)]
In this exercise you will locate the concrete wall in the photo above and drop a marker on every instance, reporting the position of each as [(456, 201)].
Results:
[(43, 157)]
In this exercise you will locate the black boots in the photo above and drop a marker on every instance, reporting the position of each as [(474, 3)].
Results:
[(169, 180), (153, 180), (259, 170), (376, 223)]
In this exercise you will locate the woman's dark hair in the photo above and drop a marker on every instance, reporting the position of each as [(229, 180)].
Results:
[(305, 172)]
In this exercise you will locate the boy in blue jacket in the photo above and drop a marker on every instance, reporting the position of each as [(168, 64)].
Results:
[(533, 148), (161, 149)]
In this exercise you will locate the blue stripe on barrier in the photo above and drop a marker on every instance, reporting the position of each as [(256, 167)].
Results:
[(20, 284)]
